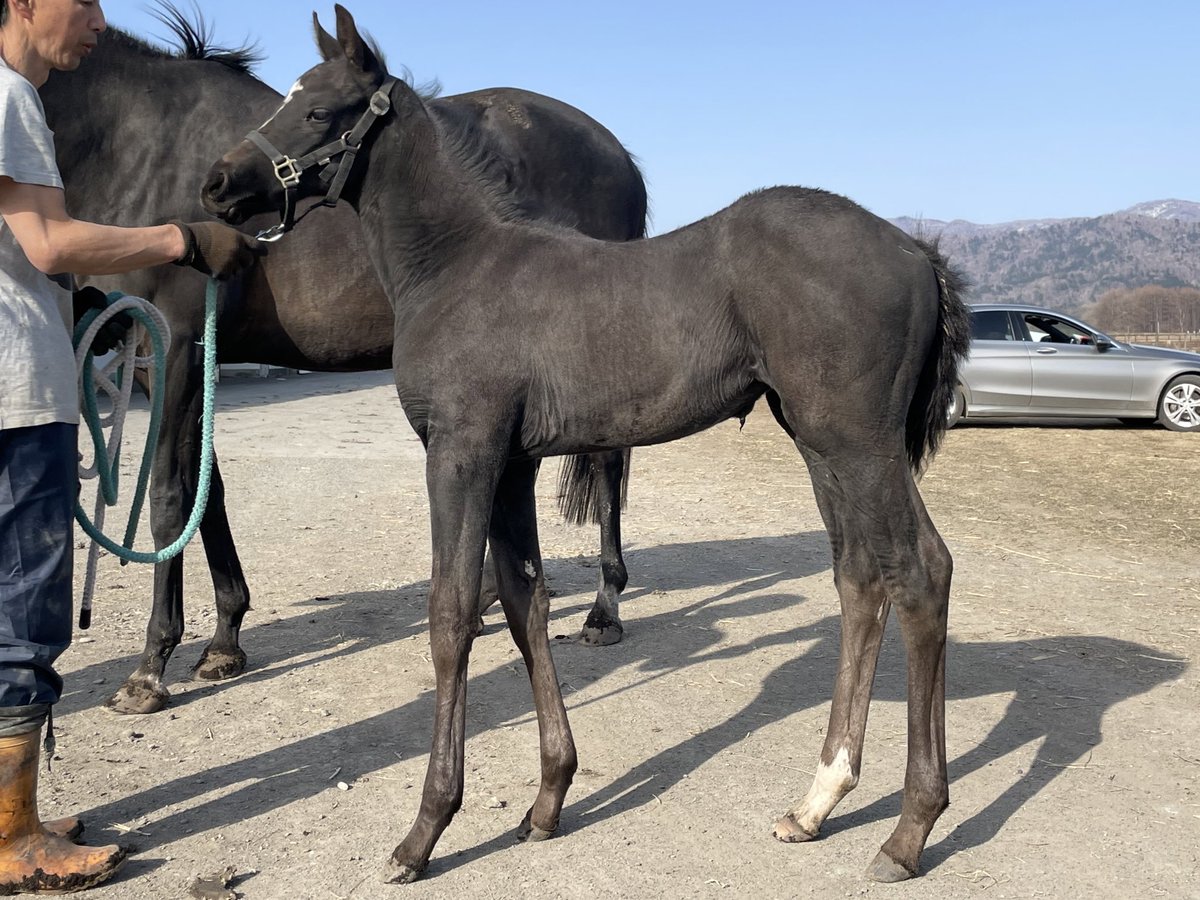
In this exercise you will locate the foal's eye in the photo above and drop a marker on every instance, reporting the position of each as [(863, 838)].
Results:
[(319, 115)]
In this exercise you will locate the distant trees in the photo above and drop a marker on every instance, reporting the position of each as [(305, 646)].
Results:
[(1153, 308)]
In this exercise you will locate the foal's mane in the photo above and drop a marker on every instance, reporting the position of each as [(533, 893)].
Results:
[(193, 40)]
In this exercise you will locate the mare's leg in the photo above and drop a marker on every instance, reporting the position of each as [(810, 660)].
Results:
[(603, 625), (592, 488), (518, 559), (223, 657), (171, 500), (461, 479)]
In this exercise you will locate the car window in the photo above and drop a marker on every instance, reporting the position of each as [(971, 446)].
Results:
[(991, 325), (1053, 330)]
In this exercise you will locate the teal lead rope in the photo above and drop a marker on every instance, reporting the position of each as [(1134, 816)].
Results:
[(107, 456)]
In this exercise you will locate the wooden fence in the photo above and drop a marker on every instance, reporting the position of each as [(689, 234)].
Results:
[(1179, 340)]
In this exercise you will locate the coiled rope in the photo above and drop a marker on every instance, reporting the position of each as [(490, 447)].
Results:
[(115, 380)]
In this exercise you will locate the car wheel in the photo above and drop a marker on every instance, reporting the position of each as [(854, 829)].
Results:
[(958, 408), (1179, 406)]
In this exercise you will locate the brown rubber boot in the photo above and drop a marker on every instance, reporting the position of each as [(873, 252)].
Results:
[(69, 827), (32, 859)]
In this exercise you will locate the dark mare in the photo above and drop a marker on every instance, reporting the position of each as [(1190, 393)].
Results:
[(851, 329), (136, 129)]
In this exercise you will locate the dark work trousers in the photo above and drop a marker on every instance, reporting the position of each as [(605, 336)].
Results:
[(39, 482)]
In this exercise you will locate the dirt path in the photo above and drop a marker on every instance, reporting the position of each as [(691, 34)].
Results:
[(1074, 706)]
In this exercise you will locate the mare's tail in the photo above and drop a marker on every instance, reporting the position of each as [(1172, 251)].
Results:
[(582, 489), (939, 378)]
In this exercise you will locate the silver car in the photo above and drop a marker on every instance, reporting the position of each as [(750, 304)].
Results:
[(1027, 361)]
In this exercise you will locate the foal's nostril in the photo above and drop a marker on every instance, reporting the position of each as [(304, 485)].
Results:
[(217, 184)]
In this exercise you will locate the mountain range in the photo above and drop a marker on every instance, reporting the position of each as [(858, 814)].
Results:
[(1069, 263)]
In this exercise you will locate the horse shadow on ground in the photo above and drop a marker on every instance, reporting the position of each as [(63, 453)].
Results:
[(337, 626), (1061, 688)]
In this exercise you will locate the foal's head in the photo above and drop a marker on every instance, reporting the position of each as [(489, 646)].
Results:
[(334, 100)]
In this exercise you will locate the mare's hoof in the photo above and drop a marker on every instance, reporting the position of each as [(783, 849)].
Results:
[(601, 630), (216, 665), (137, 698), (400, 873), (789, 831), (886, 870)]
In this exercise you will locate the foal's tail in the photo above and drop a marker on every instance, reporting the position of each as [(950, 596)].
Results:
[(583, 489), (939, 378)]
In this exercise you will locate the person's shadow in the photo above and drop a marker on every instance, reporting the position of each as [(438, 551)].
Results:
[(1061, 687)]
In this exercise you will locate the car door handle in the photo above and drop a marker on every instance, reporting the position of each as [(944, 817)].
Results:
[(1046, 350)]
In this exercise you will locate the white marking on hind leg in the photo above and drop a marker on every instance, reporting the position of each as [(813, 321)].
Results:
[(831, 783)]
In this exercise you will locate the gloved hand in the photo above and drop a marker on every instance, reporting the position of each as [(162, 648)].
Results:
[(216, 249), (111, 332)]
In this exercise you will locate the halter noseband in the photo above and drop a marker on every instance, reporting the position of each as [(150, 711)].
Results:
[(288, 170)]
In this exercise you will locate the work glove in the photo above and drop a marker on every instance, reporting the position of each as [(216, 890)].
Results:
[(216, 249), (111, 332)]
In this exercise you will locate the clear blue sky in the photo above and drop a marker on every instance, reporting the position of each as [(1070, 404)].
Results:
[(986, 111)]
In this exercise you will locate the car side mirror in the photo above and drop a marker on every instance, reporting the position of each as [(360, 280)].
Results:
[(1102, 343)]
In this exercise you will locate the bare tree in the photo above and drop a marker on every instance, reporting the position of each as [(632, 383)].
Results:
[(1148, 309)]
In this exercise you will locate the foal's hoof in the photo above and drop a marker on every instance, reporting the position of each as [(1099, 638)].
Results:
[(530, 833), (400, 873), (886, 870), (217, 665), (137, 698), (601, 630), (789, 831)]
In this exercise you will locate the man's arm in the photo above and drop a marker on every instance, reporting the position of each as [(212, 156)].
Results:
[(54, 242)]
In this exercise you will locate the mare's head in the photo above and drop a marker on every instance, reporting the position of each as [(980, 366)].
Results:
[(331, 107)]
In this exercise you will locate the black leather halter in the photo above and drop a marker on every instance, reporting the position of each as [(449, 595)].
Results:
[(288, 170)]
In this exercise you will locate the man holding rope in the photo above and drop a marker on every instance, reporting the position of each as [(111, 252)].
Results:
[(39, 416)]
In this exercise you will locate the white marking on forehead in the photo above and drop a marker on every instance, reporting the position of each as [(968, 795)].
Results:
[(295, 89)]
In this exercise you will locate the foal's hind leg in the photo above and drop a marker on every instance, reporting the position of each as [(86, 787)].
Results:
[(864, 614), (886, 549), (921, 594), (915, 567), (518, 558), (603, 624)]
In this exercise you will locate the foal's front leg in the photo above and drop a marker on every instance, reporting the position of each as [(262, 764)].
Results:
[(461, 485), (518, 560)]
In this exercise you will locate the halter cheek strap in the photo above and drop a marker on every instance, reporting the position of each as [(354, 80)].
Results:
[(288, 170)]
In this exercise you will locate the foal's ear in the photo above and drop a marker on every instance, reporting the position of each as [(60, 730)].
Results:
[(353, 45), (326, 42)]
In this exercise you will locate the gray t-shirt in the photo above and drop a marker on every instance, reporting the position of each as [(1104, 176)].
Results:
[(37, 362)]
